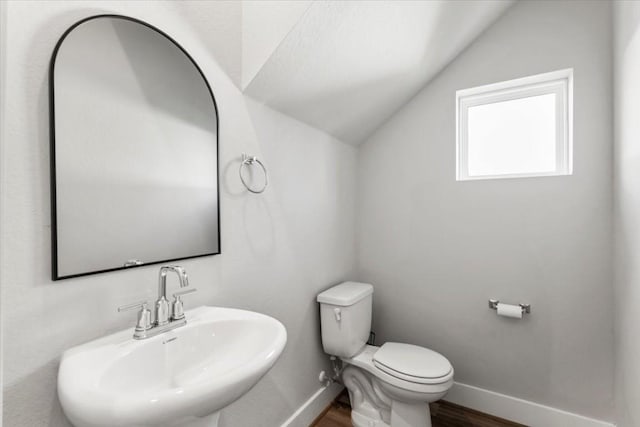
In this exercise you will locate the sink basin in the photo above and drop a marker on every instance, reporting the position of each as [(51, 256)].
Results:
[(183, 377)]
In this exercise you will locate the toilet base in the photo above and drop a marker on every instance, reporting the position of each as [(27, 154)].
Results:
[(402, 415), (373, 407), (410, 414), (361, 420)]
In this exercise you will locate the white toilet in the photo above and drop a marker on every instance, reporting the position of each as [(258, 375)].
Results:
[(390, 385)]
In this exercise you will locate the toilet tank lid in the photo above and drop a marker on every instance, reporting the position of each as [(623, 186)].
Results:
[(345, 294)]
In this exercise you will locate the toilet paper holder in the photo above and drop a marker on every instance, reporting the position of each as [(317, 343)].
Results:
[(493, 304)]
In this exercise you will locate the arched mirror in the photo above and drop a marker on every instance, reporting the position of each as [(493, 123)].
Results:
[(134, 150)]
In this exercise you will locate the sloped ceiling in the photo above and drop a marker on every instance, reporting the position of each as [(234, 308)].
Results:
[(264, 25), (346, 66)]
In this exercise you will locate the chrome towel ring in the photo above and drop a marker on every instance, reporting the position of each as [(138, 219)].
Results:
[(249, 161)]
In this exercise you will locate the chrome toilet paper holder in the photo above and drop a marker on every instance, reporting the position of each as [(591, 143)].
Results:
[(493, 305)]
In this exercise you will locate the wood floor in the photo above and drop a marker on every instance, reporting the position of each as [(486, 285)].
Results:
[(443, 414)]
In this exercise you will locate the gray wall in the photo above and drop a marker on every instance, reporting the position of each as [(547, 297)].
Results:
[(278, 250), (436, 249), (627, 211)]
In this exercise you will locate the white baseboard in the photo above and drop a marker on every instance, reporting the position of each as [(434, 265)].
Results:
[(500, 405), (310, 409), (518, 410)]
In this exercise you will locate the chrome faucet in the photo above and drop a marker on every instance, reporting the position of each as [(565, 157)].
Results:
[(162, 304), (167, 317)]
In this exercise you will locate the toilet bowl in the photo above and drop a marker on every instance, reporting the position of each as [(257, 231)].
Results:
[(391, 385)]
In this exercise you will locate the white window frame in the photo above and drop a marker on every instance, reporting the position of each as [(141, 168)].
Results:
[(559, 83)]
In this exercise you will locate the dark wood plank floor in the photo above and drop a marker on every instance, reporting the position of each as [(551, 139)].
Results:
[(443, 414)]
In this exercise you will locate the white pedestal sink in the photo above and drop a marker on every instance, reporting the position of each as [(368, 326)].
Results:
[(183, 377)]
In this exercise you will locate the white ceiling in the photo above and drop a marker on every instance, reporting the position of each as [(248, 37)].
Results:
[(344, 66), (264, 25)]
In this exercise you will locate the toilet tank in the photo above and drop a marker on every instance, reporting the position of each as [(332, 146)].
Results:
[(345, 318)]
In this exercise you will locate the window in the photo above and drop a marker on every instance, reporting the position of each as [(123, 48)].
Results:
[(518, 128)]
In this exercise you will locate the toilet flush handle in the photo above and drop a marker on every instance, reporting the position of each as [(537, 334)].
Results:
[(338, 314)]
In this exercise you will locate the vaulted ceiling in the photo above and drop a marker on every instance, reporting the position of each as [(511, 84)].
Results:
[(346, 66), (343, 67)]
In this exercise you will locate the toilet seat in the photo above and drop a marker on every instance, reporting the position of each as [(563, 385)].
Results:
[(364, 360), (412, 363)]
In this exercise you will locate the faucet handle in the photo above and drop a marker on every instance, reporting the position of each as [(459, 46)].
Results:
[(132, 306), (178, 307), (144, 315), (188, 291)]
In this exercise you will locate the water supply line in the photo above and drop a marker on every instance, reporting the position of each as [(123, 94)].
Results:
[(337, 372)]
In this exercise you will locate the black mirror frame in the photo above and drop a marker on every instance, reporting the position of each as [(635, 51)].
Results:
[(52, 147)]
